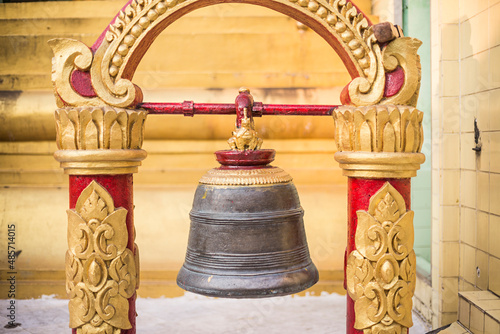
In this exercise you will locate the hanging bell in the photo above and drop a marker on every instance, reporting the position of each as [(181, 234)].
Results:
[(247, 237)]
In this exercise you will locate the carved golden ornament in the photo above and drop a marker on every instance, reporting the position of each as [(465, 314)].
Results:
[(70, 55), (379, 128), (101, 272), (113, 64), (369, 90), (380, 273), (99, 140), (247, 177), (245, 137), (92, 128), (379, 141)]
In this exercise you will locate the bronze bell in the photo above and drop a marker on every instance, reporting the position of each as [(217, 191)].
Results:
[(247, 237)]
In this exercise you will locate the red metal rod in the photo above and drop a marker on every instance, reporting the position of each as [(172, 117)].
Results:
[(297, 109), (188, 108)]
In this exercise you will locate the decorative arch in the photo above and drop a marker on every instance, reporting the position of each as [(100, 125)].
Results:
[(102, 75)]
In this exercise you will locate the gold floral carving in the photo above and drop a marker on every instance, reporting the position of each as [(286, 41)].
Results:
[(101, 272), (102, 140), (379, 128), (246, 177), (380, 273)]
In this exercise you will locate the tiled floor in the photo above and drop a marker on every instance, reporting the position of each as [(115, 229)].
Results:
[(479, 311), (192, 314)]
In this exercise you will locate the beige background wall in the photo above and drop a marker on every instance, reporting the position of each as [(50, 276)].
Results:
[(466, 184), (205, 56)]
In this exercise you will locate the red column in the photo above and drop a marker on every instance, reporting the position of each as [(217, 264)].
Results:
[(379, 151), (360, 190), (120, 187)]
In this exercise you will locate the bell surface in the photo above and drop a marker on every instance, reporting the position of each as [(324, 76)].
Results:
[(247, 237)]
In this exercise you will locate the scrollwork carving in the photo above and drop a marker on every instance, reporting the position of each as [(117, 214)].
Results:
[(101, 272), (381, 271), (399, 53), (70, 55), (111, 67)]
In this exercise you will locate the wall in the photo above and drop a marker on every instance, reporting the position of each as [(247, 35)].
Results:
[(205, 56), (466, 183)]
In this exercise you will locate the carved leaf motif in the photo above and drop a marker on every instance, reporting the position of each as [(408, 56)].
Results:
[(80, 237), (94, 207), (387, 209), (408, 271), (359, 272), (112, 307), (365, 137), (401, 236), (101, 196), (123, 270), (137, 266), (81, 307), (371, 308), (389, 138), (115, 136), (136, 134), (344, 136), (111, 236), (91, 137), (370, 238), (67, 134), (410, 138), (99, 128), (74, 273), (399, 305)]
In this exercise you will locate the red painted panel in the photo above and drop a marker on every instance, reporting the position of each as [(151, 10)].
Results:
[(82, 83), (394, 81), (360, 191), (120, 187)]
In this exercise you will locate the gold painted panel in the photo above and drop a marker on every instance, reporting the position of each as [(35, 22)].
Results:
[(381, 272), (101, 272)]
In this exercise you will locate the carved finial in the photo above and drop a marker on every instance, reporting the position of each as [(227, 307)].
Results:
[(245, 137)]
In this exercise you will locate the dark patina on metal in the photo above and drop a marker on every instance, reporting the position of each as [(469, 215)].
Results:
[(247, 237)]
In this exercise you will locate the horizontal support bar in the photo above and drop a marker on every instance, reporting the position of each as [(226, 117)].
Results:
[(188, 108)]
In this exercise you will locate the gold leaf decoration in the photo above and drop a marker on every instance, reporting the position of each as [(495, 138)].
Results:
[(101, 272), (381, 271), (91, 128), (388, 128)]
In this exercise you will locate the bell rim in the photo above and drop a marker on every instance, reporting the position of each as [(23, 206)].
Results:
[(248, 286)]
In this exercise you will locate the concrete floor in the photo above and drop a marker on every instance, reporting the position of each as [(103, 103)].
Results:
[(193, 314)]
